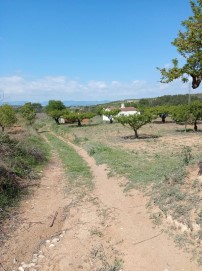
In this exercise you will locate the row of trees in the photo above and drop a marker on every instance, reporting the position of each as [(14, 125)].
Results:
[(186, 114), (8, 114)]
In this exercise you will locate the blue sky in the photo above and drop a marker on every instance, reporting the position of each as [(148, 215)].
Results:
[(88, 49)]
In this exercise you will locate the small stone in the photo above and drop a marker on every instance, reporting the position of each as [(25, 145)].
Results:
[(47, 241), (61, 235), (21, 268), (63, 232), (55, 240), (34, 260), (31, 265), (51, 245), (24, 266), (41, 256)]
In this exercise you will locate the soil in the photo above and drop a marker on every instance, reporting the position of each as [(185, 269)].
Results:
[(106, 230)]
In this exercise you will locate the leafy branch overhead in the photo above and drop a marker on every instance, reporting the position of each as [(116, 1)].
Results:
[(189, 45)]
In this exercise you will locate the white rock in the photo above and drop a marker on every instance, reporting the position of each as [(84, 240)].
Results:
[(55, 240), (31, 265), (47, 241), (21, 268), (51, 245), (35, 256), (61, 235), (63, 232), (41, 256), (25, 266)]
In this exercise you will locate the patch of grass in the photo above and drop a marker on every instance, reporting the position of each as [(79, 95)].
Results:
[(138, 167), (75, 167)]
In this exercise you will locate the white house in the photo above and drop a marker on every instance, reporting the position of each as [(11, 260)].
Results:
[(124, 111), (127, 111)]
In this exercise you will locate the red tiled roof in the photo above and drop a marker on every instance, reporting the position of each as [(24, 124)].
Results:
[(128, 109)]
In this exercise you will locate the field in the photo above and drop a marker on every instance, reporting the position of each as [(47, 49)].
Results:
[(163, 163), (110, 202)]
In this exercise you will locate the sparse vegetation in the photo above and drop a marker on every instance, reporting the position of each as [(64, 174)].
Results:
[(78, 172), (18, 162)]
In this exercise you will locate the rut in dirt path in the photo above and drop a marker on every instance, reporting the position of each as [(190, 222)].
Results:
[(41, 216), (143, 247)]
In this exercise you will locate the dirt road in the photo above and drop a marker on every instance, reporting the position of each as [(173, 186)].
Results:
[(106, 230)]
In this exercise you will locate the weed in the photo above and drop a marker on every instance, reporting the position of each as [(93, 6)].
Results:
[(96, 232), (156, 218), (186, 154)]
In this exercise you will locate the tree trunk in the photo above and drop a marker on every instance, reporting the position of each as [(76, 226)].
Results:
[(57, 120), (185, 127), (136, 134), (195, 126), (79, 122), (196, 80)]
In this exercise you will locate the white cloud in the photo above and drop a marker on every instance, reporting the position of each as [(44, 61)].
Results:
[(19, 87)]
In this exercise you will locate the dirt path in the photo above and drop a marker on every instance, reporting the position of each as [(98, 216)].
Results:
[(95, 233)]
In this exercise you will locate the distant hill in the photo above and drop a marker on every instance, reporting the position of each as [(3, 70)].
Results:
[(67, 103)]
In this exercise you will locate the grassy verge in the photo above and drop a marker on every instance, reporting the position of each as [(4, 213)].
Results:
[(139, 168), (20, 160), (78, 172)]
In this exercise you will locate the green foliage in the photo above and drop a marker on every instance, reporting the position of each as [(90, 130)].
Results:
[(189, 44), (76, 168), (37, 107), (144, 102), (181, 114), (131, 104), (186, 154), (110, 113), (196, 110), (77, 116), (55, 109), (172, 100), (158, 110), (55, 105), (28, 112), (7, 116), (135, 121), (188, 113), (18, 158)]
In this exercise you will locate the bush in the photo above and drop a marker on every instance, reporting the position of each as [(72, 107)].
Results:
[(18, 158)]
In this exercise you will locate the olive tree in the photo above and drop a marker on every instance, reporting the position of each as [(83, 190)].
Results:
[(78, 116), (111, 113), (135, 121), (55, 109), (28, 112), (188, 113), (189, 45), (7, 116)]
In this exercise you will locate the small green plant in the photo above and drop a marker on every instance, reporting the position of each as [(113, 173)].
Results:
[(186, 154)]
